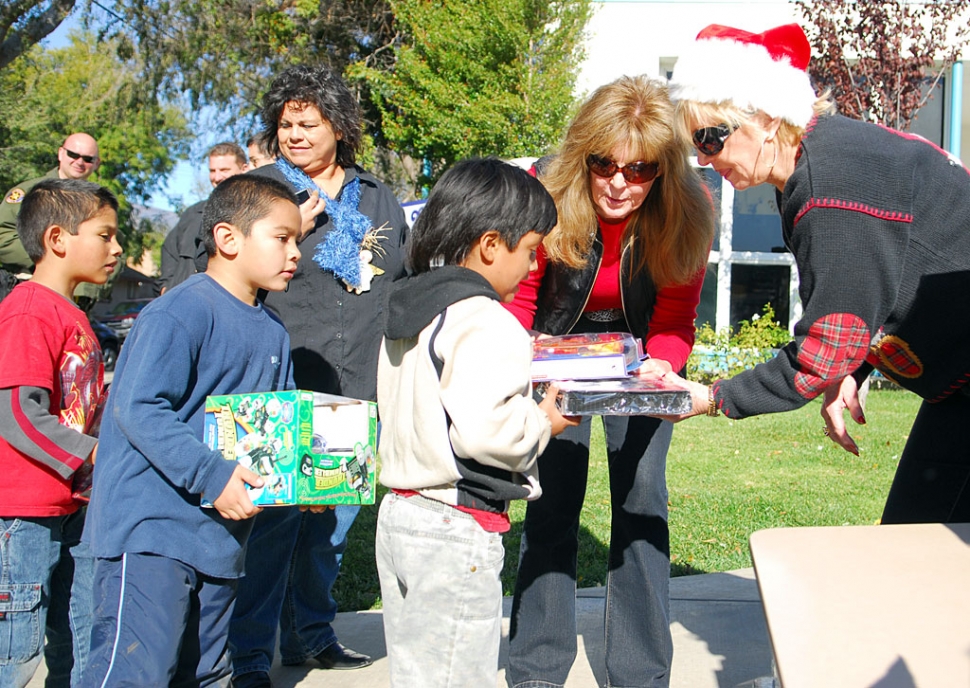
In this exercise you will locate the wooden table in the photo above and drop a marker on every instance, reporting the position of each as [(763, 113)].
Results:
[(855, 606)]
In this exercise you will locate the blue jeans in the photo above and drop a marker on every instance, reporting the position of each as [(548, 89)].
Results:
[(45, 589), (542, 637), (292, 562), (159, 622), (442, 590)]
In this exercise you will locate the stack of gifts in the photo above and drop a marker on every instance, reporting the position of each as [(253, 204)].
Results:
[(595, 374)]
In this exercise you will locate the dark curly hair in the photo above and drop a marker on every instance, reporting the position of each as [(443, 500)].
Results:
[(325, 90)]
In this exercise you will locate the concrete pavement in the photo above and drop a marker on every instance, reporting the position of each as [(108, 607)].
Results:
[(718, 626)]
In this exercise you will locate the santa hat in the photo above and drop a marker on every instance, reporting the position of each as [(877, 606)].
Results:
[(765, 71)]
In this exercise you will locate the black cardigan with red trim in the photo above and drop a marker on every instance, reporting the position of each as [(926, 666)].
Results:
[(879, 224)]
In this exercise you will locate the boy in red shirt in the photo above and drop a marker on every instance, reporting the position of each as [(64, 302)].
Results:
[(51, 388)]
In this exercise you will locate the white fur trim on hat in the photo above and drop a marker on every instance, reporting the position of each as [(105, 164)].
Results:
[(717, 70)]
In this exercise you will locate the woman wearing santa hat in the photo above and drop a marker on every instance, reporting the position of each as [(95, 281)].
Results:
[(878, 222), (628, 255)]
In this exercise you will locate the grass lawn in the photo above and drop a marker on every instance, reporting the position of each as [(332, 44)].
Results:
[(726, 479)]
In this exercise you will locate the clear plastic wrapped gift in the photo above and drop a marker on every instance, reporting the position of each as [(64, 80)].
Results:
[(585, 356), (630, 396)]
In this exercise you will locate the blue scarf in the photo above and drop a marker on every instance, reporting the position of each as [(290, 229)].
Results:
[(339, 252)]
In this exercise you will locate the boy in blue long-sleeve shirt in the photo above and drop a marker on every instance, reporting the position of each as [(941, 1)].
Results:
[(166, 569)]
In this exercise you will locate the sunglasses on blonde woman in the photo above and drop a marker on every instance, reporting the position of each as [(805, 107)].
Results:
[(634, 172), (710, 140)]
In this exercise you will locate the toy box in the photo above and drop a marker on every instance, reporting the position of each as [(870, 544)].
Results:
[(589, 356), (311, 448)]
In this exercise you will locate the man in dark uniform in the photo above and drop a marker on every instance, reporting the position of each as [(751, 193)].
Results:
[(182, 251), (77, 158)]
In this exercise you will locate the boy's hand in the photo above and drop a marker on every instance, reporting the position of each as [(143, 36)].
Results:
[(548, 404), (92, 457), (234, 502)]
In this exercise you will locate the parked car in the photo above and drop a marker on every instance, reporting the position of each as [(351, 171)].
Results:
[(122, 316), (110, 344)]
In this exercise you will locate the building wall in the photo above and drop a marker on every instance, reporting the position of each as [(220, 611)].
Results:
[(645, 37)]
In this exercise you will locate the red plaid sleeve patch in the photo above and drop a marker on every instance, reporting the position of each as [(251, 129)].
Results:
[(896, 356), (835, 346)]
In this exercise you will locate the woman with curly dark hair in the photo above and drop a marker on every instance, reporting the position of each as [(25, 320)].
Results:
[(352, 251)]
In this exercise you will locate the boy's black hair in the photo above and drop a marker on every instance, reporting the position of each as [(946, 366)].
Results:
[(240, 201), (473, 197), (62, 202)]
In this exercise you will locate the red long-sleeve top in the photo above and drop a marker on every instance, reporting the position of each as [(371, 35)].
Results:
[(670, 336)]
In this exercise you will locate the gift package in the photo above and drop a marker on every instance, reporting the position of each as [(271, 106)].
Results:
[(310, 448), (630, 396), (591, 356), (595, 375)]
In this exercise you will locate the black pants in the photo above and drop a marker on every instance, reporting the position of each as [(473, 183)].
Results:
[(932, 482)]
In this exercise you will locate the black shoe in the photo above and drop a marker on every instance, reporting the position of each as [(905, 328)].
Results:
[(337, 656), (254, 679)]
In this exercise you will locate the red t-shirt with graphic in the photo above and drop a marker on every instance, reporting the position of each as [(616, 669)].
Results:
[(45, 342)]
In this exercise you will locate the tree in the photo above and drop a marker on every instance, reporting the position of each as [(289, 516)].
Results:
[(477, 77), (48, 94), (219, 56), (23, 23), (882, 60), (224, 53)]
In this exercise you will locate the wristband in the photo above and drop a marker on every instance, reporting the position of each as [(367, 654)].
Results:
[(712, 409)]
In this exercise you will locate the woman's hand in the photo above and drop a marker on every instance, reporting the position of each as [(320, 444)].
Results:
[(309, 210), (699, 395), (654, 369), (838, 397)]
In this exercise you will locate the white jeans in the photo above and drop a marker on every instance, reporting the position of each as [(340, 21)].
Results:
[(441, 586)]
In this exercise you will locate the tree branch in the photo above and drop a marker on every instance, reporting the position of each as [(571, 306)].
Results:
[(36, 27)]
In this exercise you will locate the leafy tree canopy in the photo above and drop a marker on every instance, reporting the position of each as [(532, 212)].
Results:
[(477, 77), (882, 59), (223, 53), (48, 94)]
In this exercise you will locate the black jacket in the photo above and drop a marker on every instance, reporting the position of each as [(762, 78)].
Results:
[(336, 334), (565, 291)]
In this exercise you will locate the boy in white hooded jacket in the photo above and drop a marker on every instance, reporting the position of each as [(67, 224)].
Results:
[(460, 430)]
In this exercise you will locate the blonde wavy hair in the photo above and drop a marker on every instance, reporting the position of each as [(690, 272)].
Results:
[(691, 114), (674, 226)]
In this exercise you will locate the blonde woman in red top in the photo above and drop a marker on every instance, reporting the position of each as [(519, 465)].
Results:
[(629, 255)]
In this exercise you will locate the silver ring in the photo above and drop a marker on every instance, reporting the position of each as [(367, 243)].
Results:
[(825, 431)]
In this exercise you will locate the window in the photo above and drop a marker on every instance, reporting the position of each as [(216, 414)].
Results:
[(757, 225)]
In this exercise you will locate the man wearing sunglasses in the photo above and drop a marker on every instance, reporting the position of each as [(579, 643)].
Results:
[(77, 158)]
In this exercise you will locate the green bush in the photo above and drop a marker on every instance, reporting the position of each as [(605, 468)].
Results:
[(723, 354)]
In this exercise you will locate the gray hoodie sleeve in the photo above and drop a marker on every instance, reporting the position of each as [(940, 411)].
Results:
[(27, 425)]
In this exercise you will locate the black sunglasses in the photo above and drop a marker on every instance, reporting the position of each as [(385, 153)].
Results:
[(634, 172), (710, 140), (89, 159)]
